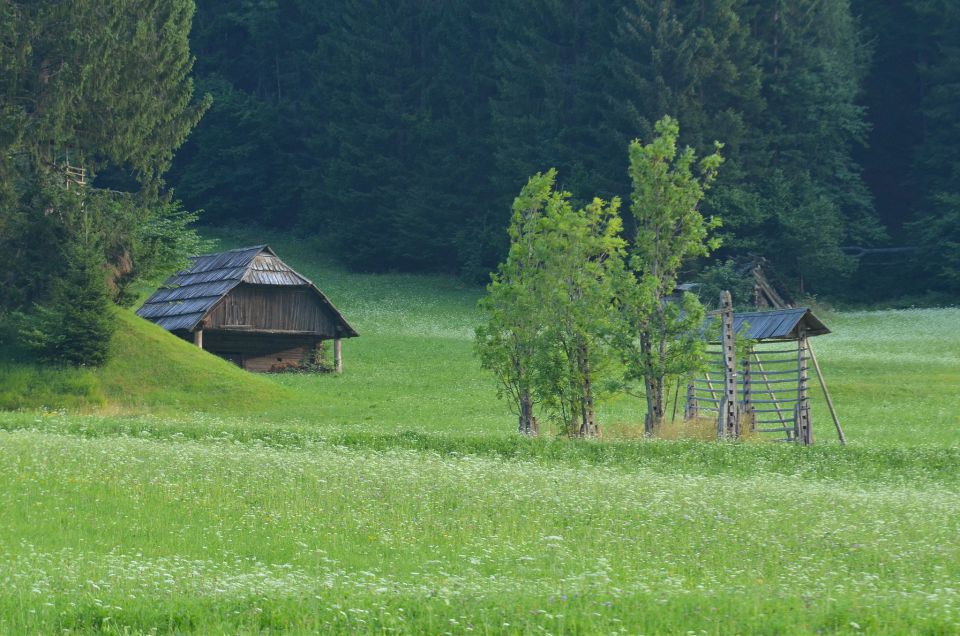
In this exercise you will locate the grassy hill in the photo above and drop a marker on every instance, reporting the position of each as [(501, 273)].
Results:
[(148, 369), (177, 494)]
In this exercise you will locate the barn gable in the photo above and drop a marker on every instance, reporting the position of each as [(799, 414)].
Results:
[(217, 284)]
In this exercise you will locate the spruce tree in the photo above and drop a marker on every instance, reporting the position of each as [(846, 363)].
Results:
[(551, 103), (104, 83), (937, 225), (246, 160), (399, 97), (698, 61), (75, 325), (88, 88), (813, 198)]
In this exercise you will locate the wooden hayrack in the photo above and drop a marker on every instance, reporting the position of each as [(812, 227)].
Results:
[(767, 389)]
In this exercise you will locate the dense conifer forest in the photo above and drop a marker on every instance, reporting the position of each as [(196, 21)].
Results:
[(397, 133), (402, 130)]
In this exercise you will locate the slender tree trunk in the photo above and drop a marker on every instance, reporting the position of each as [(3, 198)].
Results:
[(528, 423), (654, 419), (654, 389), (588, 421)]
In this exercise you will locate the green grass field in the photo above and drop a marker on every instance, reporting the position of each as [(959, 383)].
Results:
[(172, 493)]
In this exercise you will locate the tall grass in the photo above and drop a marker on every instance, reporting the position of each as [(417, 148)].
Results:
[(140, 535)]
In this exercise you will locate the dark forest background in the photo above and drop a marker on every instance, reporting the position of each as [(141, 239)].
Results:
[(398, 131)]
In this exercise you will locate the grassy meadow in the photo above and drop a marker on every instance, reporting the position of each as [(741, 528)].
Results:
[(170, 492)]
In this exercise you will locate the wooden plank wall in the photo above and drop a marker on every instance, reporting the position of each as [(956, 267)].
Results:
[(282, 308)]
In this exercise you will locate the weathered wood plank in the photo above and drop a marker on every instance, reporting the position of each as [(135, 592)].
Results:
[(728, 425), (277, 308)]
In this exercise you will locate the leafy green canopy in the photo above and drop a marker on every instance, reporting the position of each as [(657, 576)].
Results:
[(551, 307), (567, 308), (668, 187)]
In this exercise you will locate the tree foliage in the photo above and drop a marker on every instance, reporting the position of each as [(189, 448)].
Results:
[(74, 326), (668, 187), (508, 342), (552, 308)]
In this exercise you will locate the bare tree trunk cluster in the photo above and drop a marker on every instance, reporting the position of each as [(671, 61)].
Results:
[(654, 392)]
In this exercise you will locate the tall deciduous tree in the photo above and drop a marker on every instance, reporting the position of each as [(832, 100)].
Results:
[(551, 307), (668, 187), (507, 343), (583, 274)]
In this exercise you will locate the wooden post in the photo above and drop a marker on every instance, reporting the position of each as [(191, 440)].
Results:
[(198, 337), (803, 395), (337, 355), (826, 394), (729, 421), (692, 408), (748, 392)]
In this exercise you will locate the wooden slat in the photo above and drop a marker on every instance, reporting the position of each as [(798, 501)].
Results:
[(785, 381), (790, 371)]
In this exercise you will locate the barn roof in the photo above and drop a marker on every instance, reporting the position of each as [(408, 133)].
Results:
[(779, 324), (185, 298)]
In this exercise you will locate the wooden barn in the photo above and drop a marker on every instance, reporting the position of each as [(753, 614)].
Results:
[(249, 307)]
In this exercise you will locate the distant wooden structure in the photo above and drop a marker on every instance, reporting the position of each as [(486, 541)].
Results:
[(768, 389), (765, 293), (251, 308)]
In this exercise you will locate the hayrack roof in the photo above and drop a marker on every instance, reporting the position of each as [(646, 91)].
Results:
[(778, 324), (184, 299)]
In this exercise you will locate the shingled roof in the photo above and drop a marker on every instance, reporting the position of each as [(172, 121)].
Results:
[(185, 298), (779, 324)]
